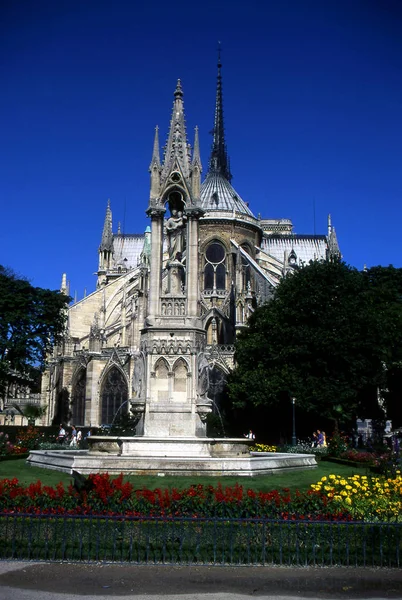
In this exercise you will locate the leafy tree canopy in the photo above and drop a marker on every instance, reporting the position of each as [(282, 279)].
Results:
[(32, 321), (329, 333)]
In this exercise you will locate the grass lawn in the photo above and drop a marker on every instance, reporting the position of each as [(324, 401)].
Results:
[(293, 480)]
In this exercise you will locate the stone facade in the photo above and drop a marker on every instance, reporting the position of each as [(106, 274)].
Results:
[(156, 337)]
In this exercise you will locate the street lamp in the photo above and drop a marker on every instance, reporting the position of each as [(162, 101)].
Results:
[(293, 422)]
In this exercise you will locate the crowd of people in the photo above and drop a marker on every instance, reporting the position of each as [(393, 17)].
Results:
[(319, 439), (73, 437)]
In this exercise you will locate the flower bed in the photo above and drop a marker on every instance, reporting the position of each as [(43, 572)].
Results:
[(100, 494), (332, 498), (263, 448), (365, 498)]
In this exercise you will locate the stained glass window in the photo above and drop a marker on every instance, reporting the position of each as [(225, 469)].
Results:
[(114, 394), (78, 398)]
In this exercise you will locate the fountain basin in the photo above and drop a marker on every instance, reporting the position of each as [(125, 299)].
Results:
[(173, 447), (173, 456)]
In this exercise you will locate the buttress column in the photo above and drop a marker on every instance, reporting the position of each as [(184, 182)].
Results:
[(156, 215), (193, 215)]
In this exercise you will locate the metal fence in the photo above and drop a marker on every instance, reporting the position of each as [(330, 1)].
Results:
[(209, 541)]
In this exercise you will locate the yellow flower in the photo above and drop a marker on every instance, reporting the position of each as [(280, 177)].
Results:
[(348, 487), (343, 482), (323, 478), (332, 477), (348, 500)]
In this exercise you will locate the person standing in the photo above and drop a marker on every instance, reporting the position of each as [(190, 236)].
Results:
[(73, 441), (320, 438), (61, 436), (79, 437)]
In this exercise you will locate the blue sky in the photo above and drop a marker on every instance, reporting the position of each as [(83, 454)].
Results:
[(313, 117)]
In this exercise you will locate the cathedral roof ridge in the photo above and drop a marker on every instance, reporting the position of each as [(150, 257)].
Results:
[(129, 235), (296, 236)]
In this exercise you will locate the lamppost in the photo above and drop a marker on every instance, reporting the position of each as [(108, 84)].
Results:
[(293, 422)]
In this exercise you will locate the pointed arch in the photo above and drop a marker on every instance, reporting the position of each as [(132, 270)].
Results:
[(179, 389), (215, 266), (180, 372), (218, 329), (78, 397), (114, 393), (161, 383), (161, 368)]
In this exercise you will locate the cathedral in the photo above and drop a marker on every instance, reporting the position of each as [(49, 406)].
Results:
[(156, 338)]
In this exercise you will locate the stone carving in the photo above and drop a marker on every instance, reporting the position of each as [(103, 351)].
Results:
[(175, 230), (203, 376), (138, 375)]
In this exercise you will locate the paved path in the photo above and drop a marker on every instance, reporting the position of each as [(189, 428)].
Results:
[(56, 581)]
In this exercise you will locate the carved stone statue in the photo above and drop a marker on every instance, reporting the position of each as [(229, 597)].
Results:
[(175, 230), (138, 375), (203, 376)]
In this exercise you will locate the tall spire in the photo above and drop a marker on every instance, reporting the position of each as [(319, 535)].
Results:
[(155, 161), (196, 150), (177, 148), (107, 235), (219, 161)]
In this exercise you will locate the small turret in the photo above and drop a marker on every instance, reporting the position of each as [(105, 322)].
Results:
[(64, 286), (333, 251), (177, 150), (196, 167), (106, 246), (145, 256), (155, 166)]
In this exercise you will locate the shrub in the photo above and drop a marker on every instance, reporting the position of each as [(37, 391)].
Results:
[(337, 444), (305, 447), (6, 446)]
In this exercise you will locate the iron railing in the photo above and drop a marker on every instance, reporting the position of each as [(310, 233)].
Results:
[(198, 541)]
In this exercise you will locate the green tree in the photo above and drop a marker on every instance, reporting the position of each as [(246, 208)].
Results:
[(324, 339), (32, 321), (32, 412), (386, 288)]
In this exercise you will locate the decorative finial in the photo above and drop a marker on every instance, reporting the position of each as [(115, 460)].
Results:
[(219, 55), (178, 91)]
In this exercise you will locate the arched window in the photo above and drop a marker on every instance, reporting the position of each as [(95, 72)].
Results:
[(78, 398), (215, 267), (246, 273), (114, 394)]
